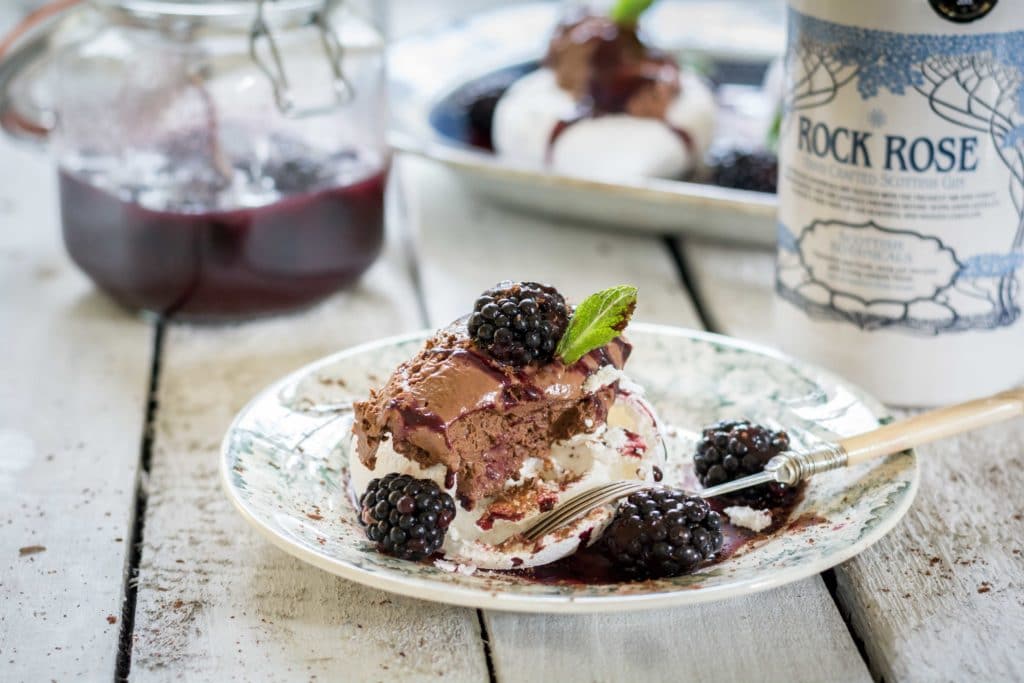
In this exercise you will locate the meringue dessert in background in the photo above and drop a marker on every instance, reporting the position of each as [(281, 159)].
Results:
[(606, 106), (502, 415)]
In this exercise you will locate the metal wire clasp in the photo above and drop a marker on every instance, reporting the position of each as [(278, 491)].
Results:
[(278, 76)]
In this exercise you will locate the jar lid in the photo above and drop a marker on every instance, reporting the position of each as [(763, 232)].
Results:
[(221, 13)]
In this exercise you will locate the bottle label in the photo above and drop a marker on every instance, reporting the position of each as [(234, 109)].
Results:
[(902, 191)]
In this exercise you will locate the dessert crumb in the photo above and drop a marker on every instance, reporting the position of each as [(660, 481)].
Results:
[(749, 518), (31, 550), (985, 587), (455, 567), (111, 619)]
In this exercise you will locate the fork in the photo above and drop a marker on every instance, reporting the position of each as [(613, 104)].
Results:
[(790, 467)]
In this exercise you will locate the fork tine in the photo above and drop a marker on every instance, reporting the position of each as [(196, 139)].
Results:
[(575, 504), (583, 500), (571, 506), (580, 504)]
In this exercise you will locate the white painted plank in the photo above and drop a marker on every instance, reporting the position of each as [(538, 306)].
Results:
[(216, 602), (72, 405), (942, 596), (465, 246), (787, 636), (734, 286)]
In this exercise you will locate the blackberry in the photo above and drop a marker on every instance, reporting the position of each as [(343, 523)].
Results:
[(756, 171), (406, 517), (731, 449), (519, 323), (661, 532)]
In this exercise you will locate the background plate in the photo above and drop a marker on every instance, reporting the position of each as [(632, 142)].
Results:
[(284, 466), (426, 69)]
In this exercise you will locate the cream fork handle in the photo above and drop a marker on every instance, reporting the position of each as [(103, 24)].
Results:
[(933, 425)]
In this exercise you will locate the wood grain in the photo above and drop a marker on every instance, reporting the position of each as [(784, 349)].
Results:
[(941, 598), (72, 407), (465, 246), (790, 635), (217, 602)]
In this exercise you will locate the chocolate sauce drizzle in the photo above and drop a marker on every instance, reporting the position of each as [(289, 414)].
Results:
[(516, 385), (610, 71)]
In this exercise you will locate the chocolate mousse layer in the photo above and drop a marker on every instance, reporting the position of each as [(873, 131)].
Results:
[(454, 406)]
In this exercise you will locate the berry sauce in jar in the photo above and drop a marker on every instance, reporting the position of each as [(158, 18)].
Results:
[(193, 262)]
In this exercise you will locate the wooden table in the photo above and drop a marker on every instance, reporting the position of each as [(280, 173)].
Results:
[(121, 557)]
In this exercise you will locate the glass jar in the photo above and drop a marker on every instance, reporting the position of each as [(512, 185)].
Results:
[(220, 160)]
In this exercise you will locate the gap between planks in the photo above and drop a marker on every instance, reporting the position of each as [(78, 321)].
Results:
[(72, 404), (131, 574)]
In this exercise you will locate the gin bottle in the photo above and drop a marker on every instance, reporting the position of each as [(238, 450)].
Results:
[(901, 221)]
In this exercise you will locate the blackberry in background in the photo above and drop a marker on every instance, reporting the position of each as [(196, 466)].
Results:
[(661, 533), (478, 100), (754, 171), (519, 323), (406, 517)]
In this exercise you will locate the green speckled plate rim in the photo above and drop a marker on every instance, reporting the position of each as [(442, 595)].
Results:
[(428, 589)]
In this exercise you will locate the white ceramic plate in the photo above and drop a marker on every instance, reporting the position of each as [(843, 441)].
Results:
[(284, 466), (425, 70)]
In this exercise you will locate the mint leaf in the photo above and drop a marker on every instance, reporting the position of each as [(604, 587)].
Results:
[(627, 12), (599, 319), (771, 141)]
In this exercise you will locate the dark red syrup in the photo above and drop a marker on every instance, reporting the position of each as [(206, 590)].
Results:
[(224, 264), (588, 566)]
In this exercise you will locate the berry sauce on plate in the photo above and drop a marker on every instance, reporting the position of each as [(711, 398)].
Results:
[(592, 566)]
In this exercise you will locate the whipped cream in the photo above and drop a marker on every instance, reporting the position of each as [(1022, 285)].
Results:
[(628, 446), (749, 518)]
